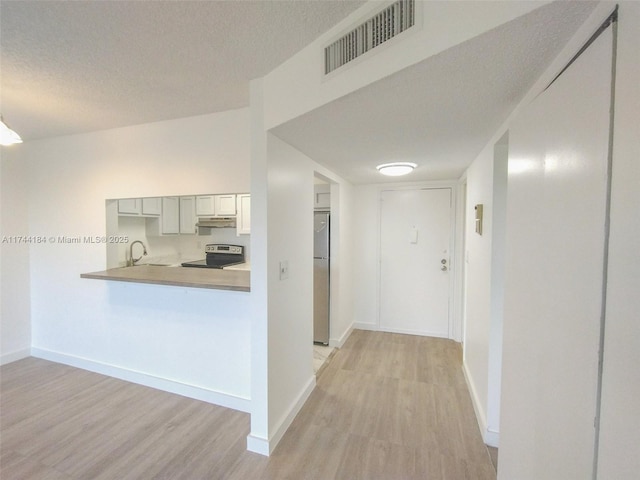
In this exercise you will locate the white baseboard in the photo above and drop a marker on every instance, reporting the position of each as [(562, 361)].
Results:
[(366, 326), (375, 328), (475, 401), (489, 437), (291, 413), (492, 438), (191, 391), (265, 446), (258, 445), (14, 356), (339, 342), (414, 332)]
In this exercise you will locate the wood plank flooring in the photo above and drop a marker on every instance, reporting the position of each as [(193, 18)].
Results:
[(387, 406)]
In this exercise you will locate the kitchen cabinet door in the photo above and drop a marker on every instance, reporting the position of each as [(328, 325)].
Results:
[(225, 205), (188, 206), (152, 206), (243, 220), (205, 206), (129, 206), (170, 215)]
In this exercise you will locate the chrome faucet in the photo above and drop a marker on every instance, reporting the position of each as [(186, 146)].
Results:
[(132, 261)]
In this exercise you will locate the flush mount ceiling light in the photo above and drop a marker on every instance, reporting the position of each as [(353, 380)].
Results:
[(396, 169), (8, 136)]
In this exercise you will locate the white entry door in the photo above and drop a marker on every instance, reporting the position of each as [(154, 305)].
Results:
[(415, 236)]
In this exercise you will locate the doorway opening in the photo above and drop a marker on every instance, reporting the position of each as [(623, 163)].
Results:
[(322, 254)]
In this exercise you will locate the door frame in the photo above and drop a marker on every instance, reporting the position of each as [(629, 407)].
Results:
[(337, 336), (455, 320), (460, 270)]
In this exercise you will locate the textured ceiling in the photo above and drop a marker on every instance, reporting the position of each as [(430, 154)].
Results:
[(71, 67), (441, 112)]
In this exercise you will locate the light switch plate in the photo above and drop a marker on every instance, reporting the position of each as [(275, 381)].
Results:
[(413, 235), (284, 269)]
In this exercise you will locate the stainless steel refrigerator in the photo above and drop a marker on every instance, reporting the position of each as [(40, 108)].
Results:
[(321, 250)]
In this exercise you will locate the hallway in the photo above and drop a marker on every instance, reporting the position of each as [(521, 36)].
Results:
[(387, 406)]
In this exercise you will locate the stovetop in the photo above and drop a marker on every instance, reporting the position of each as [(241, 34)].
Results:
[(219, 256), (203, 264)]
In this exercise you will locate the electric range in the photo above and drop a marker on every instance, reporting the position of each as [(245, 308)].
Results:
[(219, 256)]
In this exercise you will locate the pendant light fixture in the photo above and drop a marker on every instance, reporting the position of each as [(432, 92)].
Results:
[(8, 136), (396, 169)]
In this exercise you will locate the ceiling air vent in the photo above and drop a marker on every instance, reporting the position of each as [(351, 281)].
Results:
[(394, 19)]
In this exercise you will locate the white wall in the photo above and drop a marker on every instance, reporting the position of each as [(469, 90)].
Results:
[(484, 257), (498, 242), (478, 251), (298, 86), (15, 322), (258, 439), (282, 323), (619, 454), (479, 336), (194, 341), (556, 219), (365, 258), (290, 239)]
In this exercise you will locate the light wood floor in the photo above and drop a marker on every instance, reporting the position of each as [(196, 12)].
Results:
[(387, 406)]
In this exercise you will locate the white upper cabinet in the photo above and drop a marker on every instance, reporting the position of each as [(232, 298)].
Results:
[(243, 220), (168, 222), (216, 205), (205, 206), (178, 215), (152, 206), (225, 205), (188, 215), (129, 206), (145, 207), (170, 215)]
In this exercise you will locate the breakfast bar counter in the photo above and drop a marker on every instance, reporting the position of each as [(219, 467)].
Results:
[(236, 280)]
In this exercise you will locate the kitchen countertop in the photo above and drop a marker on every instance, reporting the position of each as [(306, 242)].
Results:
[(236, 280), (246, 266)]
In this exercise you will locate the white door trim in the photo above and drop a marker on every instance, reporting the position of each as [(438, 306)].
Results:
[(459, 288)]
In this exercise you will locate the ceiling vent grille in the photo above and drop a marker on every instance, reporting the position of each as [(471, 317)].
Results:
[(383, 26)]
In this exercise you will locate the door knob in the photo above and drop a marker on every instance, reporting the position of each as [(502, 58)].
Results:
[(444, 268)]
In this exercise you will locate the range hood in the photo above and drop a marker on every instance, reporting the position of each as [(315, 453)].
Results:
[(216, 222)]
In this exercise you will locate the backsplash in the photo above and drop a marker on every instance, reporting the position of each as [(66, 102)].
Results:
[(181, 247)]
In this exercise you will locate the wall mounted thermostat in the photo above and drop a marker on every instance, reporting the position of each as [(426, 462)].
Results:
[(478, 209)]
